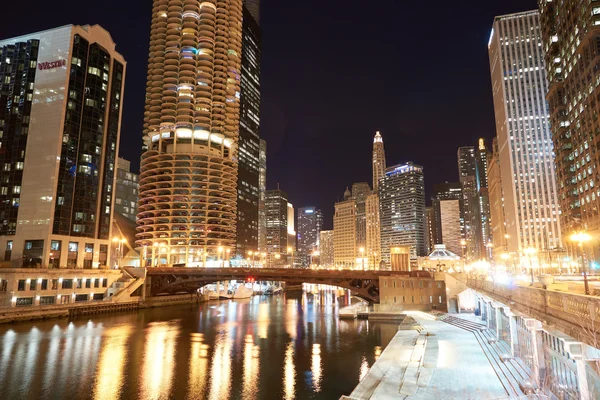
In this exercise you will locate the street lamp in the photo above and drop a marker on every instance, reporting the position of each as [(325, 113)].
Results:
[(530, 251), (582, 237)]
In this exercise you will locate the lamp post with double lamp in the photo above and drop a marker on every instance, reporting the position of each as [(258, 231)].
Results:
[(219, 251), (530, 251), (290, 250), (120, 243), (582, 237)]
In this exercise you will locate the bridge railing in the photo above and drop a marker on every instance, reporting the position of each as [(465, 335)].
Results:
[(578, 315)]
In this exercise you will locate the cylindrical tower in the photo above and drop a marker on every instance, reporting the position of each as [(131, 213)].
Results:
[(187, 199)]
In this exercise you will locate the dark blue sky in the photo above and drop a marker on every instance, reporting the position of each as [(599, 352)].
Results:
[(333, 72)]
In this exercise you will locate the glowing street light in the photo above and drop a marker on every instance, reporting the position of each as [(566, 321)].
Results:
[(530, 251), (582, 237)]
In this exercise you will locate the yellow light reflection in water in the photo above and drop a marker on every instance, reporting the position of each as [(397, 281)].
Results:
[(291, 317), (364, 368), (289, 374), (158, 364), (263, 320), (377, 352), (251, 369), (315, 367), (112, 359), (198, 366), (220, 380)]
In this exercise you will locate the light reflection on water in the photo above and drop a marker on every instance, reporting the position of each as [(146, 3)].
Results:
[(286, 346)]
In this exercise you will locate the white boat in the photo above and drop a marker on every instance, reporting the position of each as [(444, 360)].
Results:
[(225, 294), (277, 290), (210, 295), (242, 292)]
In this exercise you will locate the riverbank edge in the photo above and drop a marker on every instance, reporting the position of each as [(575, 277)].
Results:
[(21, 314)]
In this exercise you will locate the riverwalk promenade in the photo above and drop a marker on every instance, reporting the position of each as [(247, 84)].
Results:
[(433, 360)]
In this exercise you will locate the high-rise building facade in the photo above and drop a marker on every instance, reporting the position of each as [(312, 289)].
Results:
[(189, 167), (60, 115), (276, 211), (430, 227), (481, 156), (373, 247), (344, 232), (326, 248), (262, 189), (360, 191), (126, 190), (379, 165), (496, 198), (570, 31), (310, 223), (291, 230), (248, 185), (446, 205), (402, 210), (526, 156), (470, 220)]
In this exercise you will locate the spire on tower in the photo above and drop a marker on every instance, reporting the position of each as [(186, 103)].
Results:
[(378, 138)]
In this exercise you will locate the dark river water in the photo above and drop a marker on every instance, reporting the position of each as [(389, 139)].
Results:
[(281, 347)]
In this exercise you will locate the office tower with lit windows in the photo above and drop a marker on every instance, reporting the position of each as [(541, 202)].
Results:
[(481, 166), (570, 33), (60, 114), (379, 165), (344, 232), (467, 173), (360, 191), (496, 199), (291, 230), (262, 189), (373, 247), (446, 206), (248, 185), (525, 150), (402, 210), (189, 167), (326, 248), (276, 211), (310, 223), (126, 190), (431, 231)]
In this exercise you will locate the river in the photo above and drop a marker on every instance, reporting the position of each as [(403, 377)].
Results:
[(289, 346)]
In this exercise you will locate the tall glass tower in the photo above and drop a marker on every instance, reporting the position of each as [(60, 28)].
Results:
[(525, 147), (378, 160), (188, 179)]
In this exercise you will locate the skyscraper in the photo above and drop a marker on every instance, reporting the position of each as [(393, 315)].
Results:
[(481, 171), (524, 141), (467, 173), (402, 210), (248, 185), (344, 232), (326, 248), (188, 180), (373, 247), (262, 189), (570, 31), (496, 198), (378, 161), (446, 205), (360, 191), (430, 227), (291, 230), (126, 190), (276, 211), (310, 223), (60, 115)]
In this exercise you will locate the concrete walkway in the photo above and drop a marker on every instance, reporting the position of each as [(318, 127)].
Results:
[(407, 368)]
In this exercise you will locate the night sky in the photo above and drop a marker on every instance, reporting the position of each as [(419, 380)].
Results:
[(333, 72)]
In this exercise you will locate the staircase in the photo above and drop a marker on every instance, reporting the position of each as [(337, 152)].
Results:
[(122, 288), (512, 371)]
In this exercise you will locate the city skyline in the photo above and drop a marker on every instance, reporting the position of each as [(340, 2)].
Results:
[(293, 127)]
